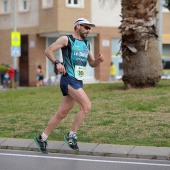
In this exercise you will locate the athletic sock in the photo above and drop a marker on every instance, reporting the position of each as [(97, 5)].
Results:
[(71, 133), (44, 136)]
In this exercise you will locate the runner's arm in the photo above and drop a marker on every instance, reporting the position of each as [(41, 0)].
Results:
[(59, 43), (49, 52), (94, 61)]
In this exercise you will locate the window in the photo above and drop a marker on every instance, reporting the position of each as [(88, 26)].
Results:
[(121, 66), (166, 64), (116, 47), (23, 5), (47, 3), (75, 3), (4, 6), (72, 2)]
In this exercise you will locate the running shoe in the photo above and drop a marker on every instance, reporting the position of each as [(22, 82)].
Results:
[(71, 141), (42, 145)]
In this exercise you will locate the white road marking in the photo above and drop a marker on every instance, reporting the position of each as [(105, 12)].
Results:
[(85, 160)]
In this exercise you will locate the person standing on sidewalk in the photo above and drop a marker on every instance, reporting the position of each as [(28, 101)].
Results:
[(40, 76), (11, 73), (112, 75), (76, 51)]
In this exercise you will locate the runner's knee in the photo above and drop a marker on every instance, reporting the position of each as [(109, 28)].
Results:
[(86, 109), (61, 115)]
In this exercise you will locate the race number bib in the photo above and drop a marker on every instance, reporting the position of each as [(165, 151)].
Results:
[(79, 72)]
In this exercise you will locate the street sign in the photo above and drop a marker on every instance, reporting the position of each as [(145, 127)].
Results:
[(15, 51), (15, 39), (15, 44)]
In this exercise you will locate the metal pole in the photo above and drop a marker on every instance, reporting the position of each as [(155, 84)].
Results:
[(14, 16), (15, 59), (14, 29), (160, 25)]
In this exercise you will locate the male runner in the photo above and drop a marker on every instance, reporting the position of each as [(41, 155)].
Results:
[(76, 51)]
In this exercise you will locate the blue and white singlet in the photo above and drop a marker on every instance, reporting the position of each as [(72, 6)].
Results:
[(75, 57)]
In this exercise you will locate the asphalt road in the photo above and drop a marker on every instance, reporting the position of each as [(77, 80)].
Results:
[(27, 160)]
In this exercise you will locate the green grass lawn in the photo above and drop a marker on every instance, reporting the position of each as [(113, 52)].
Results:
[(118, 116)]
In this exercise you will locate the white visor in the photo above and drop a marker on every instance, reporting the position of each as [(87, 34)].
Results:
[(83, 21)]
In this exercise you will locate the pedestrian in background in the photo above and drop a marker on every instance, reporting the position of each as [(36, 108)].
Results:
[(112, 76), (40, 76), (11, 73), (6, 80)]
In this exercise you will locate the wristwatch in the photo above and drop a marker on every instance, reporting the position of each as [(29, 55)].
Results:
[(56, 62)]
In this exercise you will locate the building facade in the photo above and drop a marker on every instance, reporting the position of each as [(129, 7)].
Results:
[(41, 22)]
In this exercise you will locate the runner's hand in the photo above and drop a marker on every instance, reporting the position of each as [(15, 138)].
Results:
[(61, 68), (100, 58)]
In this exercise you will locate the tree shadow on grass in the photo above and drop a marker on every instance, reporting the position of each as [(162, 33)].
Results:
[(117, 87)]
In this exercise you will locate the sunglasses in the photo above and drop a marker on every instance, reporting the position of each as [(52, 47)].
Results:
[(86, 27)]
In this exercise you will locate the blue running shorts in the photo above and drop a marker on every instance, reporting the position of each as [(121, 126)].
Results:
[(69, 80)]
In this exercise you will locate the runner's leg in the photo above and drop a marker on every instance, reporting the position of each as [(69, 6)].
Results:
[(66, 105), (85, 105)]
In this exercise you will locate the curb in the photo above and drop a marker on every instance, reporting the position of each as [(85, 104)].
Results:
[(94, 149)]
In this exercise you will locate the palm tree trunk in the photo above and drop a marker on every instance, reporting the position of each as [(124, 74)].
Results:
[(142, 63)]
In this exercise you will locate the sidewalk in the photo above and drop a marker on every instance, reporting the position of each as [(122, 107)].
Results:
[(95, 149)]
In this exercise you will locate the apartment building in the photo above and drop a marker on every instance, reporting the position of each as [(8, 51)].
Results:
[(41, 22)]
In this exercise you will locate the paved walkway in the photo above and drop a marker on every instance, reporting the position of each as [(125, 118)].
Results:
[(127, 151)]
